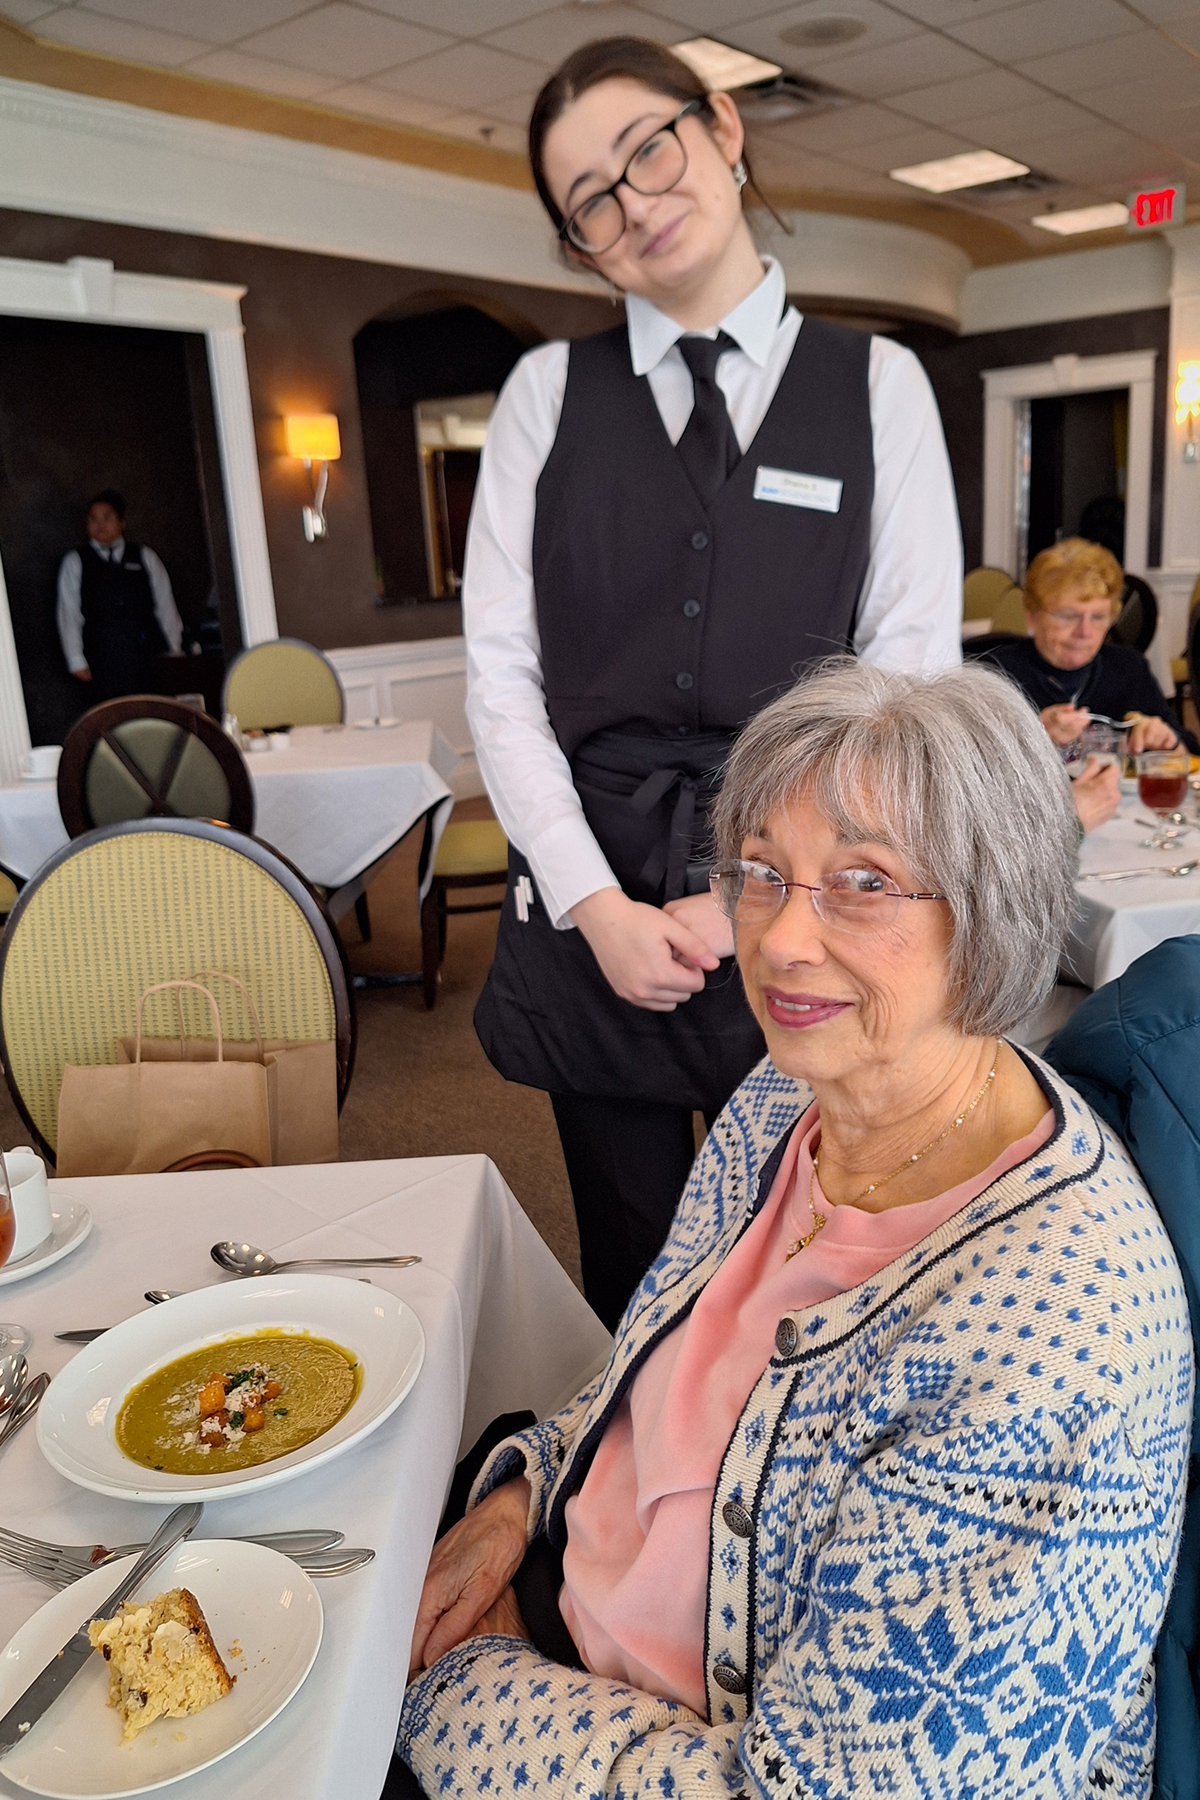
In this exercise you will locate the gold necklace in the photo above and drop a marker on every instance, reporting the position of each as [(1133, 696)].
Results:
[(819, 1219)]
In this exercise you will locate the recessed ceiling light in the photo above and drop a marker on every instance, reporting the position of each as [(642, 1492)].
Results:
[(824, 29), (973, 168), (720, 66), (1084, 218)]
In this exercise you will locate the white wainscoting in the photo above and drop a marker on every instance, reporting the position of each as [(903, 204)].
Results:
[(1173, 589), (425, 680)]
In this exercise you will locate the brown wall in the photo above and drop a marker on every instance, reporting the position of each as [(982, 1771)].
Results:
[(301, 314)]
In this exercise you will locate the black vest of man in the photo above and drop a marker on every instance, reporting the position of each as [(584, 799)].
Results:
[(121, 633), (665, 625)]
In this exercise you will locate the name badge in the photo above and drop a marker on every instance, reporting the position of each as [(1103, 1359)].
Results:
[(788, 488)]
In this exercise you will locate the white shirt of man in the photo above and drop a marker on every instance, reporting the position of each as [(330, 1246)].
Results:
[(909, 615), (70, 599)]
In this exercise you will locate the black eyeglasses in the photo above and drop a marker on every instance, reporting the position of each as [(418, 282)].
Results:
[(860, 900), (654, 168)]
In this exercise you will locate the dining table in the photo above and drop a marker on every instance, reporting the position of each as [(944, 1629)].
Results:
[(1118, 921), (335, 799), (505, 1330)]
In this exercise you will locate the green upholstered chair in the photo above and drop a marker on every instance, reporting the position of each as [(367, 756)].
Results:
[(155, 900), (142, 757), (8, 894), (283, 682), (993, 594), (473, 854)]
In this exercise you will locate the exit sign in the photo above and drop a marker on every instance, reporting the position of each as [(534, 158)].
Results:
[(1150, 209)]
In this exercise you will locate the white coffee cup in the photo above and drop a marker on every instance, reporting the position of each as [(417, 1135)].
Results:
[(31, 1199), (41, 763)]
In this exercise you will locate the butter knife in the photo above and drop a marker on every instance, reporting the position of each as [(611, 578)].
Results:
[(62, 1669)]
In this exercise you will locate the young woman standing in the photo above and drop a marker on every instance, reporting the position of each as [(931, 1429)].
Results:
[(673, 518)]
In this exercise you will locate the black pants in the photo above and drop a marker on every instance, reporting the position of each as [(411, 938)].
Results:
[(627, 1161), (535, 1584)]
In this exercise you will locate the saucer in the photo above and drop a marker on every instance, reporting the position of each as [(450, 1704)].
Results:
[(68, 1230)]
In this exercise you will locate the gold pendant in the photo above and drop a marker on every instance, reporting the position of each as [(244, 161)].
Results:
[(799, 1244)]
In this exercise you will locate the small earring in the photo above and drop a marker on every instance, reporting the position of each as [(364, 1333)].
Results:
[(741, 174)]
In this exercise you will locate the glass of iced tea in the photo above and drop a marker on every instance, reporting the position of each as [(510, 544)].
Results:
[(8, 1218), (1163, 788)]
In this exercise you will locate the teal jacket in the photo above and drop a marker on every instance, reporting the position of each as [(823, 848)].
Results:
[(1133, 1051)]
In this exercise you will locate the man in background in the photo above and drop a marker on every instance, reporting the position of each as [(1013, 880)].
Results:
[(116, 611)]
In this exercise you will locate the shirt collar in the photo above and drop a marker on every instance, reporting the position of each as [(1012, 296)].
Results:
[(752, 324), (114, 552)]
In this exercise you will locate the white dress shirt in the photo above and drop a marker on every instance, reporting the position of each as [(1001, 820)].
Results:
[(909, 613), (70, 599)]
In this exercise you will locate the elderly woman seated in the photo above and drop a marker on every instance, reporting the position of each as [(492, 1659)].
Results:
[(880, 1491), (1069, 671)]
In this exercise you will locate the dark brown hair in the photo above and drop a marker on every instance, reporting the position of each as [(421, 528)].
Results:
[(613, 59)]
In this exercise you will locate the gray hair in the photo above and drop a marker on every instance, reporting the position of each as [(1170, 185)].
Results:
[(954, 773)]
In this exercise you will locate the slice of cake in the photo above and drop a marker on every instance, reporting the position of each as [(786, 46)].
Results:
[(162, 1660)]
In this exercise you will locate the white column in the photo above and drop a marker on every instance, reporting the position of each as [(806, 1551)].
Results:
[(1181, 487), (14, 722), (243, 493)]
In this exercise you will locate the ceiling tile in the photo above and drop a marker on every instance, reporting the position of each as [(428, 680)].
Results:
[(779, 166), (1142, 103), (1075, 72), (257, 72), (465, 18), (344, 41), (762, 36), (1188, 32), (379, 103), (1043, 26), (900, 152), (912, 63), (551, 36), (1167, 12), (1102, 155), (944, 13), (831, 132), (467, 75), (514, 109), (213, 21), (116, 37), (710, 17), (482, 130), (24, 12), (1012, 129), (949, 102)]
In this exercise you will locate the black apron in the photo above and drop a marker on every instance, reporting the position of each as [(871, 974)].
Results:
[(122, 638), (665, 625)]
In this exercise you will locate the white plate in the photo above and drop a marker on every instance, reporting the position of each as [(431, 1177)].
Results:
[(375, 724), (76, 1422), (68, 1229), (252, 1598)]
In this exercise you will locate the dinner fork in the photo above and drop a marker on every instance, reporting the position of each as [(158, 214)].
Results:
[(58, 1571), (94, 1556)]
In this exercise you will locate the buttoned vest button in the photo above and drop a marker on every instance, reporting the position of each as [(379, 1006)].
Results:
[(691, 608), (729, 1678), (737, 1519), (699, 540), (683, 679), (786, 1336)]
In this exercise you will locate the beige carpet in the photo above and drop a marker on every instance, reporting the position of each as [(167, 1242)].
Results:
[(422, 1086)]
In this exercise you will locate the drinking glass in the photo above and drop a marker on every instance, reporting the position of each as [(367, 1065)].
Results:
[(8, 1218), (1163, 788)]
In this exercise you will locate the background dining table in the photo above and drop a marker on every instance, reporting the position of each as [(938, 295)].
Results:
[(505, 1329), (335, 800), (1118, 921)]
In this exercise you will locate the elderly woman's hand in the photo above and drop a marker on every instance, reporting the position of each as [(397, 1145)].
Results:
[(1149, 733), (1065, 723), (1096, 793), (469, 1575)]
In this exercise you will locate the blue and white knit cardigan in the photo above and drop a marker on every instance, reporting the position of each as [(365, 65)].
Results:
[(943, 1532)]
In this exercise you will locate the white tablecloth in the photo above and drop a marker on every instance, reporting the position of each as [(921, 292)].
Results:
[(504, 1328), (1118, 921), (333, 802)]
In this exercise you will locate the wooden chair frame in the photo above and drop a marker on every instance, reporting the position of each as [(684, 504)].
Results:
[(98, 725), (435, 910), (275, 865)]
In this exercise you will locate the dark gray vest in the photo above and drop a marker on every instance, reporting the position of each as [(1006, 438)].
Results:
[(655, 611)]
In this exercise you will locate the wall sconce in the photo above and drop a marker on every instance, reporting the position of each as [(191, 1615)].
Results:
[(313, 437), (1187, 407)]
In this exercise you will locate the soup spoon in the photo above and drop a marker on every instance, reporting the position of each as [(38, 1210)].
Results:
[(247, 1259), (14, 1372)]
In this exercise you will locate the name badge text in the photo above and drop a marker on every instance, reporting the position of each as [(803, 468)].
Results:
[(788, 488)]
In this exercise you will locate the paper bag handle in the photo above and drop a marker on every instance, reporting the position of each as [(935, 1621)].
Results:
[(161, 987), (221, 975)]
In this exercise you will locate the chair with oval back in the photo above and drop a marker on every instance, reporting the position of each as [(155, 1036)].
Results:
[(144, 757), (993, 594), (154, 900), (1137, 621), (283, 682)]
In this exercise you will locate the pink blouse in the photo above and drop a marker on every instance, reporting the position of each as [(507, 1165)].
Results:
[(636, 1564)]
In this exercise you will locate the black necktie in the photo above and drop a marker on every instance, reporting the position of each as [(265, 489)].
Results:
[(709, 447)]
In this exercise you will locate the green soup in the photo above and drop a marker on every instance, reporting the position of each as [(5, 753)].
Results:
[(160, 1425)]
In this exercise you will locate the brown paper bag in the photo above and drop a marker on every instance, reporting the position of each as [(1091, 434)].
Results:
[(147, 1116)]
